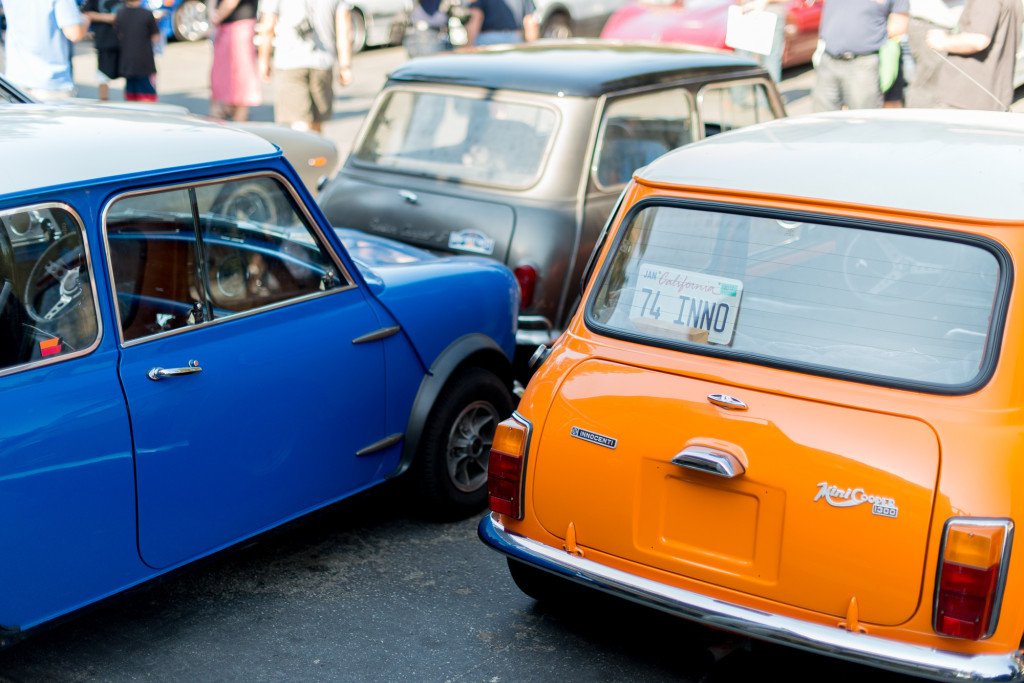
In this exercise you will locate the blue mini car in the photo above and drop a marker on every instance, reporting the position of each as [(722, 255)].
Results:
[(177, 376)]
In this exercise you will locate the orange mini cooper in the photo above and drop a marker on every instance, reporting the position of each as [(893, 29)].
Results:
[(791, 403)]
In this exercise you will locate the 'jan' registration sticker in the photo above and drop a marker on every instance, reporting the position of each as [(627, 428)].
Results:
[(685, 304)]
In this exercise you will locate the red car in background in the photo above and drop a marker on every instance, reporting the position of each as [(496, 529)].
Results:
[(702, 22)]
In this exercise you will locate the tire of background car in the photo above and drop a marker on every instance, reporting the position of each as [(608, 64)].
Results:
[(450, 469), (190, 22), (251, 201), (540, 585), (557, 26), (357, 31)]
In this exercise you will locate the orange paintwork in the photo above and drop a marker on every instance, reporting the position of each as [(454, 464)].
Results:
[(763, 540)]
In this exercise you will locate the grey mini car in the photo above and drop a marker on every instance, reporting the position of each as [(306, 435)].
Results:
[(520, 153)]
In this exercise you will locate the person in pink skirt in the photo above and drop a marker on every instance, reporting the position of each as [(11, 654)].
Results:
[(234, 80)]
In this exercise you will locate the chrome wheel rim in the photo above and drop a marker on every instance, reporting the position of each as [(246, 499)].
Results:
[(469, 446)]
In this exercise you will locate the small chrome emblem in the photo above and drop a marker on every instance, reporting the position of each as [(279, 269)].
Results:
[(593, 437), (845, 498), (727, 402)]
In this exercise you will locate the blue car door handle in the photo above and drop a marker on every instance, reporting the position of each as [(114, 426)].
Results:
[(163, 373)]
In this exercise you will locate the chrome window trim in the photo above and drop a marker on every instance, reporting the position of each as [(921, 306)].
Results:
[(830, 640), (607, 100), (469, 92), (311, 224), (774, 100), (1004, 567), (92, 283)]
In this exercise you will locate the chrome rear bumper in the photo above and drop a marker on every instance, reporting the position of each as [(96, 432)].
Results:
[(856, 647)]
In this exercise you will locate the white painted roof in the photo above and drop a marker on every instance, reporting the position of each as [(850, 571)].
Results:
[(43, 146), (961, 163)]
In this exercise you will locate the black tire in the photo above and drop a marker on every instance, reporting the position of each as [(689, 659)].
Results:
[(451, 465), (540, 585), (557, 26), (357, 31)]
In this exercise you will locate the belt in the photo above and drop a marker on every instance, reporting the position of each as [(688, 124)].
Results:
[(847, 56)]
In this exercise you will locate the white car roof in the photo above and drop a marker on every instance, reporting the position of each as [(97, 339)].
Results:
[(960, 163), (50, 145)]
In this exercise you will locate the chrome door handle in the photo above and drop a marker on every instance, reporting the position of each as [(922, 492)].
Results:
[(710, 460), (163, 373), (408, 196)]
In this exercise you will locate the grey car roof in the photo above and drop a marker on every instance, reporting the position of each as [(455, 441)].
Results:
[(584, 68), (52, 145), (959, 163)]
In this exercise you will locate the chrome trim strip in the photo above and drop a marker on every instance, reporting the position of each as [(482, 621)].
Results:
[(386, 442), (382, 333), (915, 660)]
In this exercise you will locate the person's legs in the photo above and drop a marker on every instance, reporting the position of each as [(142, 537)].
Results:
[(827, 93), (292, 106), (861, 86), (321, 97)]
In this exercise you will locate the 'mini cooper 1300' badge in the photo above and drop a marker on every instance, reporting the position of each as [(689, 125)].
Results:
[(845, 498)]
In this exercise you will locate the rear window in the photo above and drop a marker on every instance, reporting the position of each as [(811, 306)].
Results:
[(489, 141), (891, 306)]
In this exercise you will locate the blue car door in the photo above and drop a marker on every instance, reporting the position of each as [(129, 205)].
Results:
[(248, 397), (66, 476)]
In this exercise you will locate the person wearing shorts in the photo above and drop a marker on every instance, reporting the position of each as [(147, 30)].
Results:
[(310, 39)]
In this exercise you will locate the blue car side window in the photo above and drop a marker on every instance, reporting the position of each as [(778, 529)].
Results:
[(153, 250), (47, 303), (186, 256), (258, 249)]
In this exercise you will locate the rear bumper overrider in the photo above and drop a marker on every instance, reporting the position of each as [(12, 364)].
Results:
[(904, 658)]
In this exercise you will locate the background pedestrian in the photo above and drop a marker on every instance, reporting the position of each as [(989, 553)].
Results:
[(309, 39), (108, 48), (427, 32), (137, 33), (234, 75), (493, 22), (37, 50), (853, 31), (773, 60), (978, 72), (925, 16)]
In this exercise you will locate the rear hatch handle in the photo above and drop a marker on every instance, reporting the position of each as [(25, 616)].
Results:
[(711, 460)]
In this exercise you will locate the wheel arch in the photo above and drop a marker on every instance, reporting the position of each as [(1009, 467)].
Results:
[(472, 350)]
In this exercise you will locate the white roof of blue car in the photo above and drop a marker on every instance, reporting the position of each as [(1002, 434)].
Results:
[(959, 163), (45, 146)]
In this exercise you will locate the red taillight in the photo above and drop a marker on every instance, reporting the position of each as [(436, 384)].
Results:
[(970, 577), (506, 466), (526, 276)]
